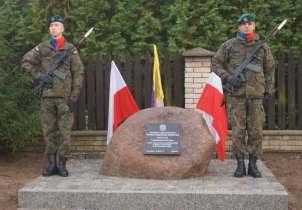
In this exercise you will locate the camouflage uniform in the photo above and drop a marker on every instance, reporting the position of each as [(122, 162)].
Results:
[(56, 117), (246, 108)]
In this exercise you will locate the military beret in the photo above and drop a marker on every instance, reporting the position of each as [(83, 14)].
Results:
[(55, 18), (245, 17)]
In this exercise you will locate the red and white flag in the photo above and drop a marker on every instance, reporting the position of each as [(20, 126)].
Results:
[(121, 102), (211, 103)]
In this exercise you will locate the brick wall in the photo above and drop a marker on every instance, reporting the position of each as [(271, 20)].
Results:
[(88, 144), (93, 143), (278, 141), (197, 70)]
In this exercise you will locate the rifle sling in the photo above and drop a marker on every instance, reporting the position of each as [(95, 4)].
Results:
[(244, 66)]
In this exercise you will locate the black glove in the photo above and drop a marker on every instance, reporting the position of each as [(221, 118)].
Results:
[(47, 80), (233, 80), (226, 79), (231, 83), (72, 104), (266, 99)]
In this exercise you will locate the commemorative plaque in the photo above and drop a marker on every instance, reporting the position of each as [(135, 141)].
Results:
[(162, 139)]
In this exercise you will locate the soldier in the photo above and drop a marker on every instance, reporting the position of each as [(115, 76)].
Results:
[(57, 101), (246, 103)]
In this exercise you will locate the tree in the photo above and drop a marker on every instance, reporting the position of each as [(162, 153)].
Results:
[(18, 121)]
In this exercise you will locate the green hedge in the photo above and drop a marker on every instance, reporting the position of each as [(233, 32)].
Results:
[(121, 25)]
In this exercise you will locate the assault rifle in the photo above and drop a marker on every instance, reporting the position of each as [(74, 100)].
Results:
[(46, 79), (235, 80)]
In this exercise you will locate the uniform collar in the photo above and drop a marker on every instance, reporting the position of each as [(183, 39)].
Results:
[(256, 38), (65, 47)]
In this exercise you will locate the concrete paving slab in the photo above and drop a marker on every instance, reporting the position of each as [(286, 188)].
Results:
[(86, 189)]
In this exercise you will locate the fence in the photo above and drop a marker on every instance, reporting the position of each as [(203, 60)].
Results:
[(92, 107), (284, 112)]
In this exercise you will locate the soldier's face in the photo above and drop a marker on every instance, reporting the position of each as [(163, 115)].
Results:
[(56, 29), (247, 27)]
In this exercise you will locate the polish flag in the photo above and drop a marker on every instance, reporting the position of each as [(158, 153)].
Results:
[(211, 103), (121, 102)]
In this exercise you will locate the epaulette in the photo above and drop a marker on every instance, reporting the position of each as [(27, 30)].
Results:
[(74, 51)]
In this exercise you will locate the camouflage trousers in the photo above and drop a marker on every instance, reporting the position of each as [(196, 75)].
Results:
[(56, 121), (247, 119)]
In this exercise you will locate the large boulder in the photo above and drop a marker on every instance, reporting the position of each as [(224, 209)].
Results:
[(125, 157)]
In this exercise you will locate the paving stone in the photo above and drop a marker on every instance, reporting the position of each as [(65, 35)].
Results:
[(86, 189)]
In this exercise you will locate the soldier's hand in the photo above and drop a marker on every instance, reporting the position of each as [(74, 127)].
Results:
[(46, 79), (72, 104), (228, 84), (266, 99), (233, 80)]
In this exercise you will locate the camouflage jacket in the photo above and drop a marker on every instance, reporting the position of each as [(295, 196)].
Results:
[(260, 77), (40, 59)]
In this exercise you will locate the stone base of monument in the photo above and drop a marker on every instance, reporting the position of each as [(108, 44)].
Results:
[(86, 189)]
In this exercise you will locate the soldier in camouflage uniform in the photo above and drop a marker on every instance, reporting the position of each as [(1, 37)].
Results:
[(57, 103), (246, 104)]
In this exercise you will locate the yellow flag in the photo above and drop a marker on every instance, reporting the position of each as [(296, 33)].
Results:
[(157, 90)]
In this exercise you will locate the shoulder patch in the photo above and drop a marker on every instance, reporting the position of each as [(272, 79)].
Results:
[(74, 52), (37, 49), (266, 47)]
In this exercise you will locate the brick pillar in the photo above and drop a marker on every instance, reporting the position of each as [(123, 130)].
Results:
[(197, 70)]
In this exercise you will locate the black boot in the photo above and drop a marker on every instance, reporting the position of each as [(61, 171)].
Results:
[(252, 169), (240, 170), (61, 165), (51, 168)]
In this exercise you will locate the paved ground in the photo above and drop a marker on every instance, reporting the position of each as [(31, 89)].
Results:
[(16, 171), (218, 189)]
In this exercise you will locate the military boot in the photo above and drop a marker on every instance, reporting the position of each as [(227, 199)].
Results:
[(61, 165), (240, 170), (252, 168), (51, 168)]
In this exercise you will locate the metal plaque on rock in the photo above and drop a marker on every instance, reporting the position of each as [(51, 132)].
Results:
[(162, 139)]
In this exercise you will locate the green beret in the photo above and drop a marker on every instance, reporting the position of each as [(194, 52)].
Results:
[(246, 17), (55, 18)]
